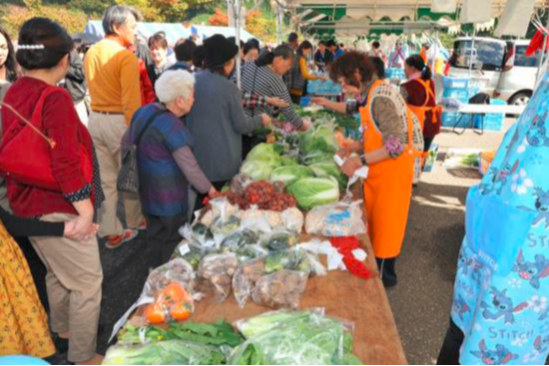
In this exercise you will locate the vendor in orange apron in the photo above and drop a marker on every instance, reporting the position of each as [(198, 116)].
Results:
[(387, 149), (419, 93)]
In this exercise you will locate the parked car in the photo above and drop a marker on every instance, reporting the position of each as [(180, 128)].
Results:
[(500, 68), (518, 76), (483, 61)]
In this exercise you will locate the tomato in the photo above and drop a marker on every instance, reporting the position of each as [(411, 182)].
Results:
[(180, 311), (155, 314)]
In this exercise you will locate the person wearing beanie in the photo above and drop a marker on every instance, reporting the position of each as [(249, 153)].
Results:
[(217, 120)]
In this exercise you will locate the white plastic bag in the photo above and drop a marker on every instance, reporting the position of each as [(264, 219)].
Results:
[(339, 219)]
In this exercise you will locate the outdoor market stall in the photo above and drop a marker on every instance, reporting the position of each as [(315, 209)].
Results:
[(253, 251)]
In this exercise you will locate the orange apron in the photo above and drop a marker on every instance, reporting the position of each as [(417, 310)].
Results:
[(421, 111), (388, 188)]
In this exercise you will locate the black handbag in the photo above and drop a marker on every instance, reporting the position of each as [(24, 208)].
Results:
[(128, 178)]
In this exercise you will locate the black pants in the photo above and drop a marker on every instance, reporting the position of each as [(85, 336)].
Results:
[(249, 142), (427, 142), (449, 354), (200, 197), (163, 234), (387, 270)]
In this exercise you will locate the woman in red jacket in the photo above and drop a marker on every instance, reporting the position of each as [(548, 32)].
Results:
[(74, 269)]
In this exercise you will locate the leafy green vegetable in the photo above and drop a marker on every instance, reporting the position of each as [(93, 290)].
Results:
[(317, 157), (330, 169), (285, 259), (289, 174), (287, 161), (293, 338), (238, 239), (320, 138), (312, 192), (265, 151), (259, 169), (281, 240), (172, 352)]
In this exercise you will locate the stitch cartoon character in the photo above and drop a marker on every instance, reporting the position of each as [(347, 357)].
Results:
[(502, 306), (500, 179), (460, 307), (542, 206), (532, 272), (537, 134), (499, 356), (541, 344)]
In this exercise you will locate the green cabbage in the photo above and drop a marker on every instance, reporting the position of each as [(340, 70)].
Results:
[(258, 169), (265, 151), (317, 157), (320, 138), (330, 169), (290, 174), (312, 192), (286, 161)]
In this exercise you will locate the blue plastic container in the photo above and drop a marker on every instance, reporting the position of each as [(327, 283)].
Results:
[(492, 121), (455, 83)]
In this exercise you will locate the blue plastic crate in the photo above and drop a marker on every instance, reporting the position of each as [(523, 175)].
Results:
[(492, 121), (450, 119), (463, 95), (455, 83)]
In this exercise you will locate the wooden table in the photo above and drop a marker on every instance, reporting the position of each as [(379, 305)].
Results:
[(345, 296)]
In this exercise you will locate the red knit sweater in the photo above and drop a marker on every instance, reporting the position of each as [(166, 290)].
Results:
[(60, 123)]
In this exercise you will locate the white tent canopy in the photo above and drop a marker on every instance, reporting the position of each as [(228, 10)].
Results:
[(398, 9)]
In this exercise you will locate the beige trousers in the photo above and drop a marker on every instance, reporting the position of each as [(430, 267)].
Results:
[(107, 131), (73, 282)]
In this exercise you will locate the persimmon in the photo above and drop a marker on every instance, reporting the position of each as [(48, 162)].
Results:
[(180, 311), (154, 313)]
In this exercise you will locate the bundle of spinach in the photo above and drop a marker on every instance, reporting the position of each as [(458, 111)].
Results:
[(217, 334)]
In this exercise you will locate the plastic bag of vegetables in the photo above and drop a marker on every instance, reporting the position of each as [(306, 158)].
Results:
[(276, 280), (280, 240), (172, 352), (173, 303), (339, 219), (216, 273), (294, 338), (312, 192), (282, 289), (191, 252), (177, 270)]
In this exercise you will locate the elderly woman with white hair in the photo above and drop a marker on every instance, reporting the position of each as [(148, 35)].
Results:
[(166, 161)]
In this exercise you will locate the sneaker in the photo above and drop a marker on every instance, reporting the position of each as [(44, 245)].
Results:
[(142, 227), (115, 241)]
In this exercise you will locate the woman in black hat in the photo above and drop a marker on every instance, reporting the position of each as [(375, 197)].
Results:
[(217, 120)]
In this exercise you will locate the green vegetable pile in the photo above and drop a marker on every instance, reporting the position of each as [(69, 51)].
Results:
[(341, 120), (181, 344), (312, 192), (294, 338)]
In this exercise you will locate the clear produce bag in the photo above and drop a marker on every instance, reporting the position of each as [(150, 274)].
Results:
[(276, 280), (172, 352), (294, 338), (335, 220), (216, 273)]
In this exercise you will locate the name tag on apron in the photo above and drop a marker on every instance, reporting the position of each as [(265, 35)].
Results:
[(495, 230)]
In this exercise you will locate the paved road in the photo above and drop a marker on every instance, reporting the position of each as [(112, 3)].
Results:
[(421, 302)]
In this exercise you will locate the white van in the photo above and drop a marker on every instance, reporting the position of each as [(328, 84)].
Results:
[(487, 57), (518, 76)]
